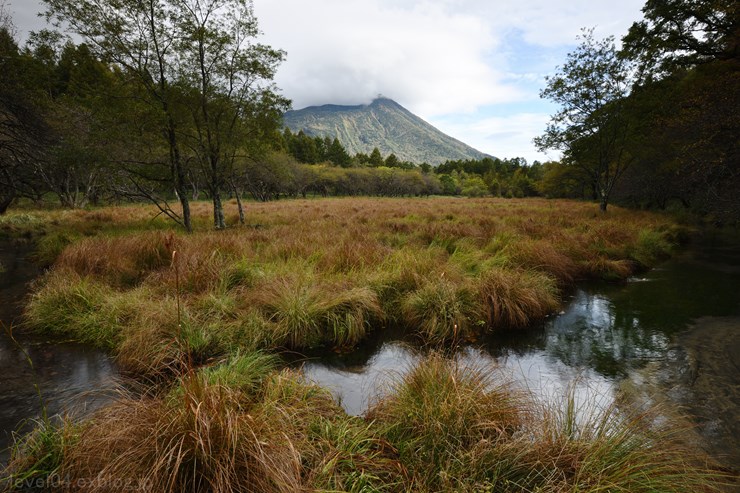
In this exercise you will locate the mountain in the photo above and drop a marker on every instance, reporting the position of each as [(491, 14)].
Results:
[(384, 124)]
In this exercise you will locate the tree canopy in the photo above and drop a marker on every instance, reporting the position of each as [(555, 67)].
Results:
[(591, 127)]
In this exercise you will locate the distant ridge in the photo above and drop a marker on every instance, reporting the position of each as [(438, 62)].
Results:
[(384, 124)]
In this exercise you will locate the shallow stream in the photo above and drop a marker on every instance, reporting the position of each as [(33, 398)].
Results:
[(72, 378)]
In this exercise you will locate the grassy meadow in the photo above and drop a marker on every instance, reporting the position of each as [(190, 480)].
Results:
[(201, 320)]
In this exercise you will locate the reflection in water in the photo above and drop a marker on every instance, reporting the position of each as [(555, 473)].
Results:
[(72, 378), (357, 386), (606, 334)]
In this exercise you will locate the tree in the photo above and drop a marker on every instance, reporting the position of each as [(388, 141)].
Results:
[(687, 54), (200, 76), (78, 88), (229, 79), (392, 161), (139, 36), (23, 131), (376, 159), (591, 128), (680, 34), (337, 154)]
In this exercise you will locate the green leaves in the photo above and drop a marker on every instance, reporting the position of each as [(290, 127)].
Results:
[(679, 34), (591, 128)]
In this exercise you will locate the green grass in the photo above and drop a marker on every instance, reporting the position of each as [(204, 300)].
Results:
[(39, 454), (441, 310)]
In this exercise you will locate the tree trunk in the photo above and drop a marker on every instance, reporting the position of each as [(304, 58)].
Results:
[(178, 175), (219, 222), (239, 205), (603, 203)]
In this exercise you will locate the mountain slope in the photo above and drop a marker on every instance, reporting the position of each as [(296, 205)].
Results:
[(384, 124)]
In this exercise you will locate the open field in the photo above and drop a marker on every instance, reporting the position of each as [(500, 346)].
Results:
[(201, 319)]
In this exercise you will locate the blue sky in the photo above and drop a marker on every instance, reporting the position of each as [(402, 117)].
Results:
[(472, 68)]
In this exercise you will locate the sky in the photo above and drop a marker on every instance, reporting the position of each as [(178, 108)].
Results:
[(471, 68)]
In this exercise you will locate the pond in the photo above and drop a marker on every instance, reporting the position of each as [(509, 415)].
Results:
[(672, 335)]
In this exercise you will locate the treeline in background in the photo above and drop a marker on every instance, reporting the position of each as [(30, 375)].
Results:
[(100, 121)]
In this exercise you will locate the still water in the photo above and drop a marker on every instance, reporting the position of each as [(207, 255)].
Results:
[(671, 334), (72, 378)]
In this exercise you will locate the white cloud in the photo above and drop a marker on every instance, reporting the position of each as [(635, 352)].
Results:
[(452, 62), (25, 15), (431, 60), (502, 136), (549, 23)]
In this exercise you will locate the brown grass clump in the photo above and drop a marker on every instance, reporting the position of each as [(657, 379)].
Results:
[(585, 448), (239, 426), (515, 297), (199, 439), (442, 412), (304, 313), (352, 253), (608, 269), (543, 256), (120, 261), (458, 429)]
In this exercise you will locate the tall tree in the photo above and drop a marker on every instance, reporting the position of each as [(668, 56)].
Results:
[(200, 74), (230, 78), (688, 56), (23, 130), (140, 36), (591, 127)]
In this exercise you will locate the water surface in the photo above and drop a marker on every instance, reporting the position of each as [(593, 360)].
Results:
[(72, 378)]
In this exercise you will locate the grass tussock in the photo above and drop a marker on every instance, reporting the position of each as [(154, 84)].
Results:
[(78, 307), (38, 454), (515, 297), (303, 314), (242, 425), (199, 440), (441, 310), (119, 261), (606, 449), (439, 413), (458, 428)]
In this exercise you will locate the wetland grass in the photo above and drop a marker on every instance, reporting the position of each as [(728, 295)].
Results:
[(205, 329), (326, 272), (243, 424), (439, 414)]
